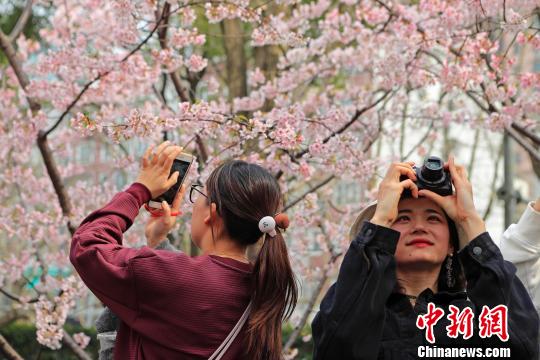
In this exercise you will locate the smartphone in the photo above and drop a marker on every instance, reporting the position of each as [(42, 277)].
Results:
[(182, 164)]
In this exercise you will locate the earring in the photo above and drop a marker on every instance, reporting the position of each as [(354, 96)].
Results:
[(450, 281)]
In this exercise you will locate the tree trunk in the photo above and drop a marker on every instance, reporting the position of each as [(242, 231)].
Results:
[(236, 58), (266, 59)]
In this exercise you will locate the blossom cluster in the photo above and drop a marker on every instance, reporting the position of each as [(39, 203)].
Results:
[(51, 315), (323, 85)]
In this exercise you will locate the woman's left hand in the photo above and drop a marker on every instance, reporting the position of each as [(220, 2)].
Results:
[(460, 205), (158, 227)]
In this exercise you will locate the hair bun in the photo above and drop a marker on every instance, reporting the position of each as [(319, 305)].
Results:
[(282, 220)]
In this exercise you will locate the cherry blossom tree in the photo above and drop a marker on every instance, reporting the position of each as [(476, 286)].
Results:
[(312, 90)]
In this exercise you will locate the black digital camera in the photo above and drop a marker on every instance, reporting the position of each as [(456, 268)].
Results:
[(431, 176)]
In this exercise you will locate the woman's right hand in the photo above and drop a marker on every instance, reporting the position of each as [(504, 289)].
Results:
[(390, 191), (156, 167)]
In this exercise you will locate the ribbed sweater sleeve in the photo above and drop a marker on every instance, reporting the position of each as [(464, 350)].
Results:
[(99, 257)]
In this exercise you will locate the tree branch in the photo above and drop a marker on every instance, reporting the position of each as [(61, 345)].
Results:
[(342, 129), (15, 298), (523, 131), (493, 183), (21, 22), (420, 142), (43, 146), (87, 86), (16, 65), (8, 350), (162, 35), (310, 190), (487, 109), (74, 347), (52, 169), (202, 149), (402, 127), (355, 117), (527, 146), (178, 86), (56, 179), (470, 168)]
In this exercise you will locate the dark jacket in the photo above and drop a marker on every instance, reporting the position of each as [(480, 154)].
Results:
[(362, 317)]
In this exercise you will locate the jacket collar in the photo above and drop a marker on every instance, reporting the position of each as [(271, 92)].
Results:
[(400, 303)]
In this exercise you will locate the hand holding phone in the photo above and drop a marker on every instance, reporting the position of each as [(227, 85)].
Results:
[(157, 227), (163, 173)]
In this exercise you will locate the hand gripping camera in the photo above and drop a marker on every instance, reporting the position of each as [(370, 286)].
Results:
[(431, 176)]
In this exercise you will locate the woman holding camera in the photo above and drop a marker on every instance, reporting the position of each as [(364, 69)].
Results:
[(173, 306), (408, 261)]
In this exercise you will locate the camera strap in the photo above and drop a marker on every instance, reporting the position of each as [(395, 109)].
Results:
[(222, 349)]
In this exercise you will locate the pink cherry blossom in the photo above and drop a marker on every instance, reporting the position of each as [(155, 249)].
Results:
[(81, 339), (196, 63)]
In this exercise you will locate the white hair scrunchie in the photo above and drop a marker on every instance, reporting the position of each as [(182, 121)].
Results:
[(268, 225)]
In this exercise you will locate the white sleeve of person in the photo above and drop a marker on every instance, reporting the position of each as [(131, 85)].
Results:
[(521, 241), (520, 245)]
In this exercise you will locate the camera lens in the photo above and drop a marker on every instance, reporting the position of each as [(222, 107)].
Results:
[(433, 171), (432, 165)]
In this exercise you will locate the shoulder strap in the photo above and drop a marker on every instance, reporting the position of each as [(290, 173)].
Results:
[(222, 349)]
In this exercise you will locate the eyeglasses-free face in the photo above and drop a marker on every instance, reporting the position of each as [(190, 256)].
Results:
[(424, 233), (195, 192)]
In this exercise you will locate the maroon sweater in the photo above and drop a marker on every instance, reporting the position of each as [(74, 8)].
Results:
[(172, 306)]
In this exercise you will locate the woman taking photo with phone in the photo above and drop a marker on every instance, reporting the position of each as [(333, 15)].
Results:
[(172, 306), (409, 257)]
